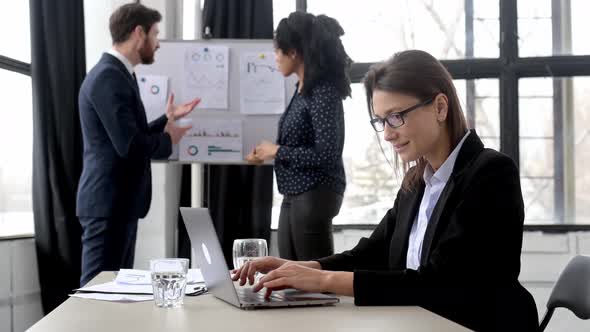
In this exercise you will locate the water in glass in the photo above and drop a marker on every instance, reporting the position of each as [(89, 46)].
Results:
[(169, 281), (169, 288)]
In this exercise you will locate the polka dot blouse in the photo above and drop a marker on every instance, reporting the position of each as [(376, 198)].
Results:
[(311, 138)]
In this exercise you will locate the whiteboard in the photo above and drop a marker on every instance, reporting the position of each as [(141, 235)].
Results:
[(169, 61)]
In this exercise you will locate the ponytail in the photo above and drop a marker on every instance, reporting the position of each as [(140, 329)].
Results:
[(317, 40)]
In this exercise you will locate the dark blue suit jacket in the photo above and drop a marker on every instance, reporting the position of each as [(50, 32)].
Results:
[(118, 144)]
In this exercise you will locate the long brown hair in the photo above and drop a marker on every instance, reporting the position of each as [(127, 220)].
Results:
[(418, 74)]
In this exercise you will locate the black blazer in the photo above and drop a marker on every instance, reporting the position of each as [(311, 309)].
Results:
[(470, 255), (118, 144)]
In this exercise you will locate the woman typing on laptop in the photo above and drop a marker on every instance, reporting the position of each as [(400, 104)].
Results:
[(452, 241)]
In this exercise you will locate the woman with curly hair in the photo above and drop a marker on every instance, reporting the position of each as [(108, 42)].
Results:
[(308, 151)]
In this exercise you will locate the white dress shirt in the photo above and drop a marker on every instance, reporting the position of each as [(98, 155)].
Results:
[(123, 59), (435, 183)]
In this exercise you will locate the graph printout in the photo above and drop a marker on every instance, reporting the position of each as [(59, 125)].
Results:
[(262, 86), (206, 76), (212, 141), (153, 90)]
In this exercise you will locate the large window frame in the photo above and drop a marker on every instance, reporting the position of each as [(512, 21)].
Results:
[(14, 65), (508, 68)]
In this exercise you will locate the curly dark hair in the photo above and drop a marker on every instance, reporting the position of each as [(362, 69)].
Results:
[(317, 40)]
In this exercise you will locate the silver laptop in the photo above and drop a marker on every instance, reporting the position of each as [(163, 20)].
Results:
[(210, 260)]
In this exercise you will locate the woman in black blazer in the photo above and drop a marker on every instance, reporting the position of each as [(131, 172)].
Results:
[(308, 152), (452, 241)]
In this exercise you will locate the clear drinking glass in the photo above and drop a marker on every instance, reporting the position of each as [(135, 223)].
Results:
[(169, 281), (248, 249)]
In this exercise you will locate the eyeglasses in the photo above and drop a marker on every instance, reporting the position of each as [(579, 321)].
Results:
[(396, 119)]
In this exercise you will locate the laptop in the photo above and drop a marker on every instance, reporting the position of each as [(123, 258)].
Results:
[(209, 257)]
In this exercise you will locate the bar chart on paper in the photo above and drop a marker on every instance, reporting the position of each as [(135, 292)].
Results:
[(213, 140)]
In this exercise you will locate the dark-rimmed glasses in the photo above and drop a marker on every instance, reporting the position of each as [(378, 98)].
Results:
[(396, 119)]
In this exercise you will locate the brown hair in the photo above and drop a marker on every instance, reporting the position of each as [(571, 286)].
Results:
[(418, 74), (124, 20)]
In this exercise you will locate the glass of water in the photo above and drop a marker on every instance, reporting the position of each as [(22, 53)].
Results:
[(169, 281), (248, 249)]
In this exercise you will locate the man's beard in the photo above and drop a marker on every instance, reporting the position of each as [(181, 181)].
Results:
[(146, 54)]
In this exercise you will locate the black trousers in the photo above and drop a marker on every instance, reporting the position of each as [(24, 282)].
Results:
[(305, 224), (108, 244)]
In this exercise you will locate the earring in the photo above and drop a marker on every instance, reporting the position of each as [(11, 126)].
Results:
[(440, 118)]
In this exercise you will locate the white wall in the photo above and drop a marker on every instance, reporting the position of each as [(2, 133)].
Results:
[(20, 295), (96, 25), (5, 287), (157, 232)]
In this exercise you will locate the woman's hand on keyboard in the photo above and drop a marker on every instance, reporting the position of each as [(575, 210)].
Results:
[(262, 265), (293, 276)]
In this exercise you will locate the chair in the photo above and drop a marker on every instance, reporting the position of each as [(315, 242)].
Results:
[(572, 290)]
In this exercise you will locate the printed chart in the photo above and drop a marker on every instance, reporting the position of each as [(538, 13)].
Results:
[(153, 90), (212, 141), (206, 76), (262, 86)]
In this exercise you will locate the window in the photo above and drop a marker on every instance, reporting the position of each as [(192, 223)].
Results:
[(536, 149), (578, 142), (551, 27), (480, 102), (16, 150), (281, 9), (371, 181), (559, 109), (438, 27), (16, 132), (188, 18), (15, 40), (526, 94)]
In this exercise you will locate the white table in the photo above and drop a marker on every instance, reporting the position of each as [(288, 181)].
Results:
[(207, 313)]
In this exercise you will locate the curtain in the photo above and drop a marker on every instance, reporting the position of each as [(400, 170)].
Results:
[(239, 198), (250, 19), (58, 67)]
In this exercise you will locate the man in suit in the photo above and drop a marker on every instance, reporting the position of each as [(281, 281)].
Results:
[(115, 186)]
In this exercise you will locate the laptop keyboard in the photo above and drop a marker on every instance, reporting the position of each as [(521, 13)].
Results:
[(246, 295)]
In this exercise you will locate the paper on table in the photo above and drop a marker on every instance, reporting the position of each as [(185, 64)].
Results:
[(143, 277), (113, 287), (114, 297), (117, 288)]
